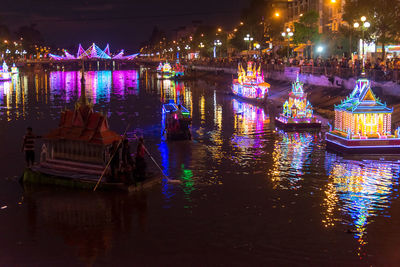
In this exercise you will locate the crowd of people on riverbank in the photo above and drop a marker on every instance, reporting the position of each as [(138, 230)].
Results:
[(332, 62)]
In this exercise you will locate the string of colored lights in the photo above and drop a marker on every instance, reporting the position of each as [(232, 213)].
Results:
[(93, 52)]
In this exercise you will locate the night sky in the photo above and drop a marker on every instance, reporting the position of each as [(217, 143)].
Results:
[(122, 23)]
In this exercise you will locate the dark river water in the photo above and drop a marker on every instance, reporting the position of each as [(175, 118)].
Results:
[(250, 195)]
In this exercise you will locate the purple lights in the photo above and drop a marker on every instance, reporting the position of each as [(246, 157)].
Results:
[(93, 52)]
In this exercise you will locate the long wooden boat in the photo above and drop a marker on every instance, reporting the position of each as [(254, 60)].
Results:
[(45, 176)]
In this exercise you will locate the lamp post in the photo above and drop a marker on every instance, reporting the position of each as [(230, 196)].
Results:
[(287, 35), (216, 44), (249, 39), (364, 26)]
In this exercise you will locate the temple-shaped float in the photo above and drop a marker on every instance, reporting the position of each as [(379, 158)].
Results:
[(14, 69), (171, 72), (250, 84), (363, 124), (297, 110), (5, 74), (164, 68)]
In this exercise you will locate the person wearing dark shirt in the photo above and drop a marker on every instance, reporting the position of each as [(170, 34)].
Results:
[(140, 162), (114, 164), (28, 146)]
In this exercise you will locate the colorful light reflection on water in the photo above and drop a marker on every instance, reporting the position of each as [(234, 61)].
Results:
[(292, 151), (253, 191), (360, 190)]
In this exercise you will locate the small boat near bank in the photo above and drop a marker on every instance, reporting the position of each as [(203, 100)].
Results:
[(176, 127)]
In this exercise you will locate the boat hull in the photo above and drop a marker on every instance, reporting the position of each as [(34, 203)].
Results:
[(367, 146), (40, 176), (298, 126), (250, 100)]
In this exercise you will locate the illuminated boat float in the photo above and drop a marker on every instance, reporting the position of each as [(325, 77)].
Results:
[(297, 110), (363, 124), (176, 128), (5, 75), (171, 72), (14, 69), (250, 84)]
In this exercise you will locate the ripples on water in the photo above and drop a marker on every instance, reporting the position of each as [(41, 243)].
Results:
[(236, 149)]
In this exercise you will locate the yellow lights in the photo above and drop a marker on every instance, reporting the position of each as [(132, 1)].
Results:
[(5, 41), (356, 25), (241, 23), (333, 1), (235, 30), (219, 29), (288, 30), (363, 18), (277, 15)]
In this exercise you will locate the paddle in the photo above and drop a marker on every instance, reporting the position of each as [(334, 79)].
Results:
[(109, 161), (168, 179)]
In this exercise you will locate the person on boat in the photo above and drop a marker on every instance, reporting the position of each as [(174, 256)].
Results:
[(28, 146), (140, 161), (114, 160), (127, 162), (126, 152)]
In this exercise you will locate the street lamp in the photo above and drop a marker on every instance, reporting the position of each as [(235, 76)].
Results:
[(288, 35), (216, 43), (365, 25), (249, 39)]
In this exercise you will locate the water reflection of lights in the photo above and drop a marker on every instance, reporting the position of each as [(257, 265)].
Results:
[(187, 183), (359, 189), (98, 84), (292, 151), (249, 119), (177, 91)]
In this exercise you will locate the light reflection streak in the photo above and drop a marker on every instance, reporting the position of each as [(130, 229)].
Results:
[(292, 151), (249, 120), (360, 190)]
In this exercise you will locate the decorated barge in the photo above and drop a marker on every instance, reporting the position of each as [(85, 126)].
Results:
[(167, 71), (5, 74), (250, 84), (363, 124), (297, 110)]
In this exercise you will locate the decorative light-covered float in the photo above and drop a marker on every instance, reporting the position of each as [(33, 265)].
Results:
[(164, 68), (14, 69), (5, 74), (171, 72), (297, 110), (176, 126), (250, 84), (178, 70), (363, 124)]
